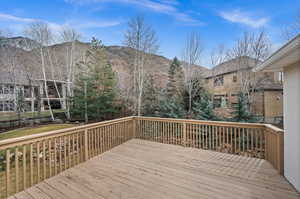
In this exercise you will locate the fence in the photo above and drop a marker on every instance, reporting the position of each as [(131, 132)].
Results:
[(29, 160)]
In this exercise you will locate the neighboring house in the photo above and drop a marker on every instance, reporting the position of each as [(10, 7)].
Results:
[(287, 59), (225, 80), (9, 94), (21, 73)]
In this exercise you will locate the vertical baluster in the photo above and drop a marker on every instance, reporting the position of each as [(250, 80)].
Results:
[(187, 140), (55, 156), (105, 138), (256, 142), (77, 147), (97, 140), (24, 167), (231, 137), (68, 149), (44, 160), (205, 135), (110, 137), (38, 161), (239, 139), (17, 169), (60, 153), (213, 136), (7, 172), (193, 135), (219, 137), (31, 163), (200, 136), (102, 140), (92, 143), (153, 131), (243, 131), (235, 137), (157, 132), (74, 156), (50, 159), (66, 156), (252, 140), (247, 140)]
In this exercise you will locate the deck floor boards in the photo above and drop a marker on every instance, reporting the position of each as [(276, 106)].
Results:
[(146, 170)]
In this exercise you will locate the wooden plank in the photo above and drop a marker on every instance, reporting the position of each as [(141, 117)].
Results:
[(138, 167)]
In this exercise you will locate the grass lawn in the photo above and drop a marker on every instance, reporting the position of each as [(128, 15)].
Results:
[(6, 116), (33, 130)]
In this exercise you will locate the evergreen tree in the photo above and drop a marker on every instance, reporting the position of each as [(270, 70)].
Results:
[(100, 83), (175, 79), (171, 108), (203, 108), (241, 111), (150, 96)]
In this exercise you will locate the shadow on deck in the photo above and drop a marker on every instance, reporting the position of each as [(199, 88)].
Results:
[(144, 169)]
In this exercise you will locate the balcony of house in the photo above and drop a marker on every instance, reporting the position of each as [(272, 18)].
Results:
[(141, 157)]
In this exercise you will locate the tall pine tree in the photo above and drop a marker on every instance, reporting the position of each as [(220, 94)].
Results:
[(175, 79), (203, 108), (150, 96), (100, 82), (241, 111)]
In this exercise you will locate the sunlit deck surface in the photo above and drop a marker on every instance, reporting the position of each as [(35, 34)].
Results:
[(144, 169)]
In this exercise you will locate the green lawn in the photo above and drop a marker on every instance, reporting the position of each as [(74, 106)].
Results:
[(33, 130), (6, 116)]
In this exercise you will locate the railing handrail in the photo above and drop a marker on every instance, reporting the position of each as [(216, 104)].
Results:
[(15, 141), (221, 123)]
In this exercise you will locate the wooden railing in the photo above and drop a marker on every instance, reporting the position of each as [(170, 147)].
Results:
[(29, 160), (247, 139)]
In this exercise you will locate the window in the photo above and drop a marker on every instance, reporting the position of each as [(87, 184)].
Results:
[(223, 102), (280, 76), (219, 81), (234, 78), (217, 103)]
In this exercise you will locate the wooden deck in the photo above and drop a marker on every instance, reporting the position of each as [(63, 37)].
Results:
[(143, 169)]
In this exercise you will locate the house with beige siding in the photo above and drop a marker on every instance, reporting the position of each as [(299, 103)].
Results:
[(225, 80)]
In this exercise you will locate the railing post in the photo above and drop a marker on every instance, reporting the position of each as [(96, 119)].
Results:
[(86, 147), (280, 153), (184, 134)]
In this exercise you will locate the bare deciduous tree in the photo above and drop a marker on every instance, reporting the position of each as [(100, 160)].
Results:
[(218, 56), (292, 30), (70, 35), (41, 33), (191, 57), (256, 46), (142, 38)]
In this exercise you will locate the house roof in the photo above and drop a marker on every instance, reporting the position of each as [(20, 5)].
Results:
[(233, 65), (283, 57)]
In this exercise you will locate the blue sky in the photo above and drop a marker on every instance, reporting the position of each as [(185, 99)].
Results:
[(218, 21)]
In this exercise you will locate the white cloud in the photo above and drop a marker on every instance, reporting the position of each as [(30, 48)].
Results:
[(8, 17), (17, 23), (237, 16), (93, 24), (167, 7)]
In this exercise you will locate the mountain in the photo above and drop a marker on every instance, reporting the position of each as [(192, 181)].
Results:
[(18, 42), (120, 57)]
